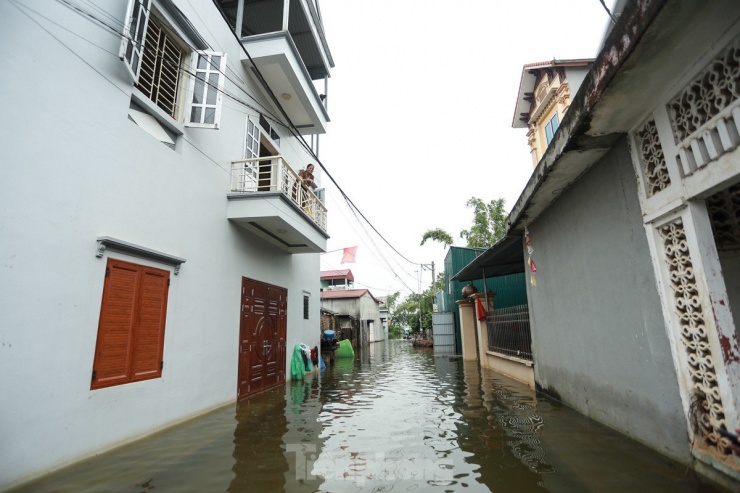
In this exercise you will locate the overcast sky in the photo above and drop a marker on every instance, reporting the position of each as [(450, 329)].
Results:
[(421, 103)]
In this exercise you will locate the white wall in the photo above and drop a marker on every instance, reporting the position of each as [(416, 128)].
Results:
[(369, 310), (74, 167)]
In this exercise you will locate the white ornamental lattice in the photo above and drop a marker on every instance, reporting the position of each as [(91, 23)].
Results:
[(707, 95), (654, 167), (707, 410), (705, 116)]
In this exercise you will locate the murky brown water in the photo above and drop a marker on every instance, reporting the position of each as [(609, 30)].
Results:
[(396, 419)]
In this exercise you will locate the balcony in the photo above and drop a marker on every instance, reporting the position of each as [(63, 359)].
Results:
[(286, 43), (267, 198)]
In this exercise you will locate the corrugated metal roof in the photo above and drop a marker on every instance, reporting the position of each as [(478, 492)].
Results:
[(503, 258)]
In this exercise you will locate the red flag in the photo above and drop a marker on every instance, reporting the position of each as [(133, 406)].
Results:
[(349, 255), (480, 311)]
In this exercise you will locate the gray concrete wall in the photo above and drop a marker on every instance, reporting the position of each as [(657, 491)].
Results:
[(598, 335), (343, 306), (370, 310)]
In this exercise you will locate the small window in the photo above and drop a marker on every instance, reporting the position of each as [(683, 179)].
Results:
[(551, 128), (133, 311), (269, 130), (206, 88), (305, 307)]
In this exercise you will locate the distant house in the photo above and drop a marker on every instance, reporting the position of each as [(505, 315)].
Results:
[(628, 233), (359, 304), (384, 314), (544, 97), (337, 279)]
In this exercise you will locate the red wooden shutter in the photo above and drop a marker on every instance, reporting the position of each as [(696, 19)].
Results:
[(149, 336), (131, 327), (117, 314)]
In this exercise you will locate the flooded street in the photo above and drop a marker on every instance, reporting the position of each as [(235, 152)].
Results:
[(396, 419)]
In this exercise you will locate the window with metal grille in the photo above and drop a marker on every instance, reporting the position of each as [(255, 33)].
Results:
[(305, 307), (160, 51), (160, 68)]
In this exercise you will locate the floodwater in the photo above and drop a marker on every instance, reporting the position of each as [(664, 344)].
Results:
[(395, 419)]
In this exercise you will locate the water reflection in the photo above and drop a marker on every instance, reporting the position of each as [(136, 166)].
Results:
[(396, 418)]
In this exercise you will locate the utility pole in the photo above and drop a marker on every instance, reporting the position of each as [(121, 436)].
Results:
[(434, 283), (421, 327)]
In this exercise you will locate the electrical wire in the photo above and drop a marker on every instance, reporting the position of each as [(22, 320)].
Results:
[(125, 93), (290, 126), (296, 133)]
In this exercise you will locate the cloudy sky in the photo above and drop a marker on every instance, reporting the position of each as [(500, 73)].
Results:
[(421, 103)]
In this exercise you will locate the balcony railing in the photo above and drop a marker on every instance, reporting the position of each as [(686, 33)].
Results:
[(273, 174), (508, 332)]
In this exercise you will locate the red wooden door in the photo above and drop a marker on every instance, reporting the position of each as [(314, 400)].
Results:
[(262, 334)]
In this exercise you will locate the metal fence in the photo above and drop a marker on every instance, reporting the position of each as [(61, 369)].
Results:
[(508, 332)]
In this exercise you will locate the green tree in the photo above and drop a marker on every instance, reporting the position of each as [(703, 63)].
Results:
[(391, 303), (439, 235), (489, 223)]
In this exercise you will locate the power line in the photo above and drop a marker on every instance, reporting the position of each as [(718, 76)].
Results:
[(15, 3), (294, 130), (289, 126)]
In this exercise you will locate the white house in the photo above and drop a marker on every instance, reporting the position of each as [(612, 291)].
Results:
[(159, 255)]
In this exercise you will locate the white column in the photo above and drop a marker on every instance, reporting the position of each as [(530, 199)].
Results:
[(286, 14)]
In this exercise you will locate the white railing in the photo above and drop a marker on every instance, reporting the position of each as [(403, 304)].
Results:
[(274, 174)]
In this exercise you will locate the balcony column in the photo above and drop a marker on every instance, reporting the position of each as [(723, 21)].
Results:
[(286, 14), (239, 17)]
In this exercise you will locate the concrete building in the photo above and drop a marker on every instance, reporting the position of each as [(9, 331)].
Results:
[(159, 252), (544, 97), (384, 314), (337, 279), (628, 230), (358, 304)]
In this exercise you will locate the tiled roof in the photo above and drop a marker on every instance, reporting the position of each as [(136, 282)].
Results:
[(332, 294), (337, 274)]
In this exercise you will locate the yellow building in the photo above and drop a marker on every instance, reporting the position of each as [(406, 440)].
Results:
[(544, 97)]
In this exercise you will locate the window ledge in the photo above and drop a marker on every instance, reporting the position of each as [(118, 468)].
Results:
[(157, 112), (107, 242)]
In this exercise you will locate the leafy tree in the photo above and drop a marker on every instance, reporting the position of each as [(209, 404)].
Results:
[(489, 223), (439, 235), (391, 302), (407, 312)]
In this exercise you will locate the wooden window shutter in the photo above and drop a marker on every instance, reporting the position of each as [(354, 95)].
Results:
[(131, 327), (149, 336)]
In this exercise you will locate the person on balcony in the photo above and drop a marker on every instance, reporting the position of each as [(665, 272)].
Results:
[(306, 176)]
